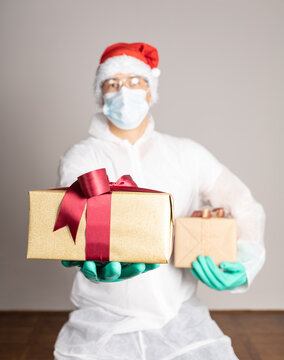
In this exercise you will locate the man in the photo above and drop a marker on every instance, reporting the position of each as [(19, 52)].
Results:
[(124, 311)]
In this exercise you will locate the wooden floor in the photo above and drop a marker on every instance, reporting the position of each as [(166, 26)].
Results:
[(31, 335)]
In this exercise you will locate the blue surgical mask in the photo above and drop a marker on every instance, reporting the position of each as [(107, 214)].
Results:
[(126, 108)]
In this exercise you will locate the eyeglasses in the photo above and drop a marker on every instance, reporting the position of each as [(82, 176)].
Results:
[(132, 82)]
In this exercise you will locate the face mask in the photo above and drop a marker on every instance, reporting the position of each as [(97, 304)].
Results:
[(126, 108)]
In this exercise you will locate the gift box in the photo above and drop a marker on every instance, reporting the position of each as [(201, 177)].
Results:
[(95, 219), (206, 232)]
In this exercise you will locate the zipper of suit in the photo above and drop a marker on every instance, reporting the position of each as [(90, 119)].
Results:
[(135, 162)]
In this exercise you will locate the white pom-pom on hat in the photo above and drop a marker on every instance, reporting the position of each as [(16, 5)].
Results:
[(156, 72)]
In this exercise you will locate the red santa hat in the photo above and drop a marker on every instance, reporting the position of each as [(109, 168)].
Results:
[(137, 58)]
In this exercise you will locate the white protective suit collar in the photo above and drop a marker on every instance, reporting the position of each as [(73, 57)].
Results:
[(99, 129)]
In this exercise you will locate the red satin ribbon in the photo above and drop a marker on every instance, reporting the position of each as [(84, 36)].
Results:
[(94, 189)]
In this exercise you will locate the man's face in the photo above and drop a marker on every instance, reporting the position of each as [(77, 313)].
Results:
[(130, 80)]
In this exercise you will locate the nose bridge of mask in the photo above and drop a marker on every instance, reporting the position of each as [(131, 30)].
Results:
[(121, 93), (124, 96), (127, 94), (124, 99)]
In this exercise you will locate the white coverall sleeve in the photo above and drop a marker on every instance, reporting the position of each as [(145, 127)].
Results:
[(228, 191)]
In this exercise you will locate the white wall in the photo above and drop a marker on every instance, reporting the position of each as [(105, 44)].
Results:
[(221, 85)]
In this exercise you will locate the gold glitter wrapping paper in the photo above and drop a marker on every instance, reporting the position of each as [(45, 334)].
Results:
[(141, 228), (215, 237)]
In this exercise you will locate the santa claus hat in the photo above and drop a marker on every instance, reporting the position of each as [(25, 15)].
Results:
[(137, 58)]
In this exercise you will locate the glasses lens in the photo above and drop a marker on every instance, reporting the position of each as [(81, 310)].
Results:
[(137, 82), (110, 85), (132, 82)]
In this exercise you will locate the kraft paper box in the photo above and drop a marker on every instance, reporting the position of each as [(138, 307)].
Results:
[(141, 228), (213, 236)]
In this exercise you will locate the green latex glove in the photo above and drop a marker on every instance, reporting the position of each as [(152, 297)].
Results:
[(112, 271), (226, 277)]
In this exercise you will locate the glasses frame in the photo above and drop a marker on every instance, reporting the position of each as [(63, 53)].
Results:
[(121, 81)]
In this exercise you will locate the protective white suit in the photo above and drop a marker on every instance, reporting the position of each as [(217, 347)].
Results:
[(156, 315)]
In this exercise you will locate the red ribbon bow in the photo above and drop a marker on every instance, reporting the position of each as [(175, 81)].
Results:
[(93, 188)]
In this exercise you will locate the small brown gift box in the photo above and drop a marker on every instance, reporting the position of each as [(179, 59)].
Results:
[(140, 228), (207, 233)]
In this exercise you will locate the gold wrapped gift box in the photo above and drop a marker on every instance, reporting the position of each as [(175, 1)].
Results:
[(207, 235), (140, 231)]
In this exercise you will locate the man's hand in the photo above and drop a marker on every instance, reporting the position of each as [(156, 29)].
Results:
[(226, 277), (111, 271)]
